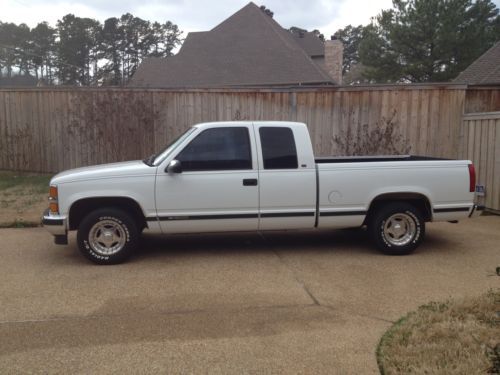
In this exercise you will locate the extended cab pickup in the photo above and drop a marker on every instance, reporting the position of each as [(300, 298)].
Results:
[(255, 176)]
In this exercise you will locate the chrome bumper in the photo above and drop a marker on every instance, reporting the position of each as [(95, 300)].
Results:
[(55, 224), (476, 211)]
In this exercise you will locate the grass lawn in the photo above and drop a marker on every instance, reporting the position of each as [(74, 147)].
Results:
[(455, 337), (23, 197)]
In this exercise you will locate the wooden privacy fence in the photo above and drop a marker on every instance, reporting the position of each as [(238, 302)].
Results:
[(481, 144), (52, 129)]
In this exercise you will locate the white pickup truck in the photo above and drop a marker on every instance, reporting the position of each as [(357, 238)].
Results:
[(255, 176)]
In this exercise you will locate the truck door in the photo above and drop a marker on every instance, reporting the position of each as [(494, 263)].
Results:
[(287, 179), (217, 189)]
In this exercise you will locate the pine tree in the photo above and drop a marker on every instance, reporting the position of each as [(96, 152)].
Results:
[(43, 46), (427, 40)]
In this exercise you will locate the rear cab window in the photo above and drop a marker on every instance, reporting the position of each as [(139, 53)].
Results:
[(278, 148)]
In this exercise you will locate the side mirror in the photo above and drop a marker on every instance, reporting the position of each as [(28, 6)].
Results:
[(174, 167)]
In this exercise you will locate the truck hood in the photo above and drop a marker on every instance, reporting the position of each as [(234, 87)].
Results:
[(104, 171)]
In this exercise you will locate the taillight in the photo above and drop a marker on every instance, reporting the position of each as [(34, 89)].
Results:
[(472, 178)]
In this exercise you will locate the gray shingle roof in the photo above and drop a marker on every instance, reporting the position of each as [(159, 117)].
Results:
[(310, 43), (486, 69), (248, 48), (18, 81)]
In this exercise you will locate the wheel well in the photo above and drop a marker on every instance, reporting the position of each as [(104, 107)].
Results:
[(83, 207), (419, 201)]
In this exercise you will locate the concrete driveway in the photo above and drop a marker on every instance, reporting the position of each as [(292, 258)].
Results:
[(303, 302)]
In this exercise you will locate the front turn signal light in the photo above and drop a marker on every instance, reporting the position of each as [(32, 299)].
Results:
[(54, 207), (53, 192), (53, 200)]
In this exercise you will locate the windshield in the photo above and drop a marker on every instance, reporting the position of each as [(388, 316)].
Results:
[(160, 156)]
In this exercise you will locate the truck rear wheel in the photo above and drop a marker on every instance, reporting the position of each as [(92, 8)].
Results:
[(107, 236), (397, 228)]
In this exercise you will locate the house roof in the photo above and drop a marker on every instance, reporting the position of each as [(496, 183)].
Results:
[(310, 43), (248, 48), (486, 69), (18, 81)]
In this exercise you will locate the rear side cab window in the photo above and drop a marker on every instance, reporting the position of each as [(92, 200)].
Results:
[(218, 149), (278, 148)]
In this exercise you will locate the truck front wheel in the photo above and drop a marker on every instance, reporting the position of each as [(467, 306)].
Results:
[(107, 236), (397, 228)]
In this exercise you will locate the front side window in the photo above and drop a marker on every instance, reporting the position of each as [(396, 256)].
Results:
[(218, 149), (278, 148), (159, 157)]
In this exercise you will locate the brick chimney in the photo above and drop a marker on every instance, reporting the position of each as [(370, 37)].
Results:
[(334, 51)]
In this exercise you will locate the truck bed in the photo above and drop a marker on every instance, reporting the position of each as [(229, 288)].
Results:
[(360, 159)]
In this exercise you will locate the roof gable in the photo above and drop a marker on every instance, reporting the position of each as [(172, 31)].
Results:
[(248, 48)]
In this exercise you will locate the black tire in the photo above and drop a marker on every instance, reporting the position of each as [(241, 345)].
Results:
[(117, 225), (397, 228)]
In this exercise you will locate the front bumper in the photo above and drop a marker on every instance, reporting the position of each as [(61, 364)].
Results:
[(476, 211), (55, 224)]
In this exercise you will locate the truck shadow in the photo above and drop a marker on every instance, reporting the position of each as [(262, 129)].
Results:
[(355, 240), (251, 241)]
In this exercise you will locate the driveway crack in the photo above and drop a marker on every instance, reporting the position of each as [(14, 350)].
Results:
[(297, 279)]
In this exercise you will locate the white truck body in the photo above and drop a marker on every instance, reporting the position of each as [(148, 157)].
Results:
[(250, 195)]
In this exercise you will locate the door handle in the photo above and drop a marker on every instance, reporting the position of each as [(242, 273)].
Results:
[(250, 182)]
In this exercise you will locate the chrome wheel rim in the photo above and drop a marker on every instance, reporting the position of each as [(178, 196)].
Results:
[(107, 237), (399, 229)]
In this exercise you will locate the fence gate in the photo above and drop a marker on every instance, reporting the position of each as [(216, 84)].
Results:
[(481, 144)]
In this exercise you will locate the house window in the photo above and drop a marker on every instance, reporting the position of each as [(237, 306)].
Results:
[(217, 149)]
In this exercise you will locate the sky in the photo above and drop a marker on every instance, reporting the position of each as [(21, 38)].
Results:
[(198, 15)]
